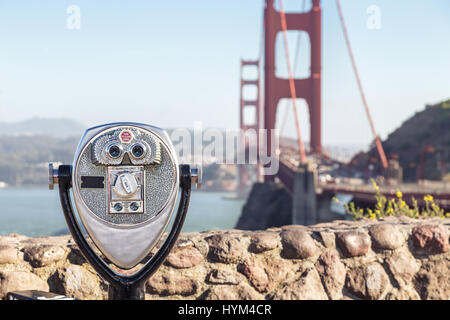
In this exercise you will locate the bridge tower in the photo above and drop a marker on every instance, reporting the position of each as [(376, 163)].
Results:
[(245, 124), (277, 88)]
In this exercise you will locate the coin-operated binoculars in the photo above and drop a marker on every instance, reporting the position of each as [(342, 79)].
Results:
[(125, 180)]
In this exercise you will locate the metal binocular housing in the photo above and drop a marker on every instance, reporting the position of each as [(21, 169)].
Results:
[(125, 180)]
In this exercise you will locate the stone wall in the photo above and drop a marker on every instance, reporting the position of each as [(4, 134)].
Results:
[(395, 258)]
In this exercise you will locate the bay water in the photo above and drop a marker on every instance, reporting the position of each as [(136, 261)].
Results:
[(37, 212)]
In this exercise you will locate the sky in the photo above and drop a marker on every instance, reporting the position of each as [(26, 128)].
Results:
[(171, 63)]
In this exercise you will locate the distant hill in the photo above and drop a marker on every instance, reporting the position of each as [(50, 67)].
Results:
[(25, 155), (25, 159), (429, 127), (61, 127)]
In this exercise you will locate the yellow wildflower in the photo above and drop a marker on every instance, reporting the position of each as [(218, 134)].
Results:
[(375, 185), (428, 198), (399, 194)]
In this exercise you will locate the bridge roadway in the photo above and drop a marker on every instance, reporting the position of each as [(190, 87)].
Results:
[(365, 193)]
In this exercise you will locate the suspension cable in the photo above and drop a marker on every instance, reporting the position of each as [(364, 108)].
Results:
[(292, 85), (361, 91)]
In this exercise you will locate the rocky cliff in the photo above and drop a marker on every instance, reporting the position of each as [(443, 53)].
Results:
[(425, 129), (395, 258), (268, 205)]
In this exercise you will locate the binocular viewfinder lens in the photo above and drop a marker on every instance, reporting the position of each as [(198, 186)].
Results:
[(114, 151), (138, 151)]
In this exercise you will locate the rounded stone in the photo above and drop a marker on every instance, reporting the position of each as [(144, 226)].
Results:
[(403, 267), (386, 236), (43, 255), (431, 238), (254, 271), (353, 243), (219, 276), (297, 244), (20, 280), (307, 287), (368, 282), (264, 241), (184, 258), (332, 272), (265, 273), (377, 281), (226, 248), (8, 254), (172, 284), (77, 282)]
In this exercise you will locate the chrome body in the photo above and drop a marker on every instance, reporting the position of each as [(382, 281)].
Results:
[(125, 244)]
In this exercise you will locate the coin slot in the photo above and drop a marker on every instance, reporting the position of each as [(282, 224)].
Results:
[(92, 182)]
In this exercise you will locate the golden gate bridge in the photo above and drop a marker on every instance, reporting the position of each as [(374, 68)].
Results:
[(298, 168)]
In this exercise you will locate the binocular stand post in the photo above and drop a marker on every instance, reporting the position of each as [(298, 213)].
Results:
[(123, 287)]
